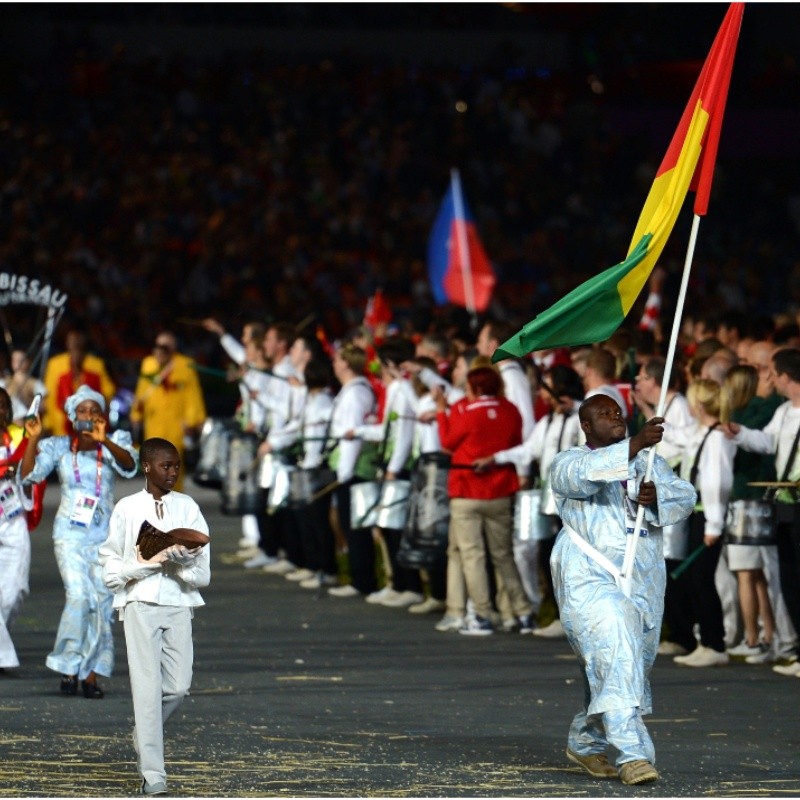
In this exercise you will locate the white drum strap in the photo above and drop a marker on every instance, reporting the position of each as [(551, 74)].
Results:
[(595, 555)]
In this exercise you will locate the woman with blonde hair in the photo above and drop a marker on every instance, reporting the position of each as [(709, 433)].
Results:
[(708, 465), (744, 404)]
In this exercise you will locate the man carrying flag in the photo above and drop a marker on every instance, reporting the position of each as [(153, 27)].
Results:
[(612, 623)]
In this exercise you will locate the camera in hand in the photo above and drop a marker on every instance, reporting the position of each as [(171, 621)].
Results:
[(83, 425)]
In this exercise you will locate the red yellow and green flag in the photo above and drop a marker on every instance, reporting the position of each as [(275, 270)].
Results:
[(595, 309)]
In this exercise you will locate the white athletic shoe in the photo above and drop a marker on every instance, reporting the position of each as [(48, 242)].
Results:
[(344, 591), (259, 560), (448, 623), (429, 606), (789, 670), (281, 567), (299, 575), (403, 600), (703, 657), (377, 598), (555, 630)]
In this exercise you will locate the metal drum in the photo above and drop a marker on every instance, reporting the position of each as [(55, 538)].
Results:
[(266, 470), (750, 522), (530, 521), (364, 504), (676, 540), (305, 483), (393, 507), (241, 493), (214, 443), (423, 544), (548, 503), (279, 491), (300, 491)]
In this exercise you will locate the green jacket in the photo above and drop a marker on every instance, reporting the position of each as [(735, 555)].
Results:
[(754, 466)]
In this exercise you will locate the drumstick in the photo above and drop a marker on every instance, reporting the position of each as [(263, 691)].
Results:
[(324, 490), (687, 562), (189, 321)]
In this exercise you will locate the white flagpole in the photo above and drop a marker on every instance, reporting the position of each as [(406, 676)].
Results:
[(632, 541), (463, 247)]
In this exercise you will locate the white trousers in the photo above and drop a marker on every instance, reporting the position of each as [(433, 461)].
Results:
[(160, 655), (15, 562)]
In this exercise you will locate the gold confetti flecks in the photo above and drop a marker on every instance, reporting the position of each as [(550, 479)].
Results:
[(212, 690), (330, 679), (671, 721)]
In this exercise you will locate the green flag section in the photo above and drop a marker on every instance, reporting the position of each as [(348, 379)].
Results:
[(595, 309), (589, 313)]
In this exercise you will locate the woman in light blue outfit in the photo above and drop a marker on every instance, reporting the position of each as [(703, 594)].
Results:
[(87, 463)]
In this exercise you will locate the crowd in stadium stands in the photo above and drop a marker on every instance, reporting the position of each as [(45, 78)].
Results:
[(160, 189)]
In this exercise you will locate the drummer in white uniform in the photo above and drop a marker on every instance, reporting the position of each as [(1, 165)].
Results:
[(248, 354), (395, 433), (354, 461)]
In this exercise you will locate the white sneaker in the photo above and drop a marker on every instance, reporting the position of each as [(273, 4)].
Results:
[(429, 606), (259, 560), (789, 670), (766, 654), (743, 649), (555, 630), (477, 627), (316, 582), (299, 575), (281, 567), (448, 623), (377, 598), (344, 591), (245, 543), (245, 553), (403, 600), (671, 649), (703, 657)]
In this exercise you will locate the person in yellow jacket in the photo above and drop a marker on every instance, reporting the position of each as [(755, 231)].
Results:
[(63, 375), (168, 402)]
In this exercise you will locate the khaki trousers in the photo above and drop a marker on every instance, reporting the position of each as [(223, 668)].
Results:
[(470, 520)]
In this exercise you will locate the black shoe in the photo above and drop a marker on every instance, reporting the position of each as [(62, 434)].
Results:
[(92, 691), (69, 684)]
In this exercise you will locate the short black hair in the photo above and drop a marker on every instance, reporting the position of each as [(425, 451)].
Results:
[(786, 361), (152, 447)]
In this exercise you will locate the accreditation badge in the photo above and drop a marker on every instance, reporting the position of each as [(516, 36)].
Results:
[(85, 510), (10, 505)]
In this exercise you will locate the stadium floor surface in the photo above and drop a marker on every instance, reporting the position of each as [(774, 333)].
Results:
[(297, 694)]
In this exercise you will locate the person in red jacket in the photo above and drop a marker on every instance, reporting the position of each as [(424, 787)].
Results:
[(481, 502)]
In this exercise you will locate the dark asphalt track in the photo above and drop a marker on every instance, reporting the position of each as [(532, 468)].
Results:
[(297, 695)]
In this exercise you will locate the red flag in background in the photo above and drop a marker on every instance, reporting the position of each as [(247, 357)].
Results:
[(378, 311)]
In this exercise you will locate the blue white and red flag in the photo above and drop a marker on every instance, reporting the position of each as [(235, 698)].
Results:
[(458, 267)]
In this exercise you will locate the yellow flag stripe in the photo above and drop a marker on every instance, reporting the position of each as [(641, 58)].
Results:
[(662, 207)]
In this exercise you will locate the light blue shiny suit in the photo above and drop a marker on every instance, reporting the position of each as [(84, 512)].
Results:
[(84, 641), (615, 637)]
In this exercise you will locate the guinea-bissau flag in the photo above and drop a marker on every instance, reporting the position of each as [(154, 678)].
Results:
[(459, 270), (594, 310)]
